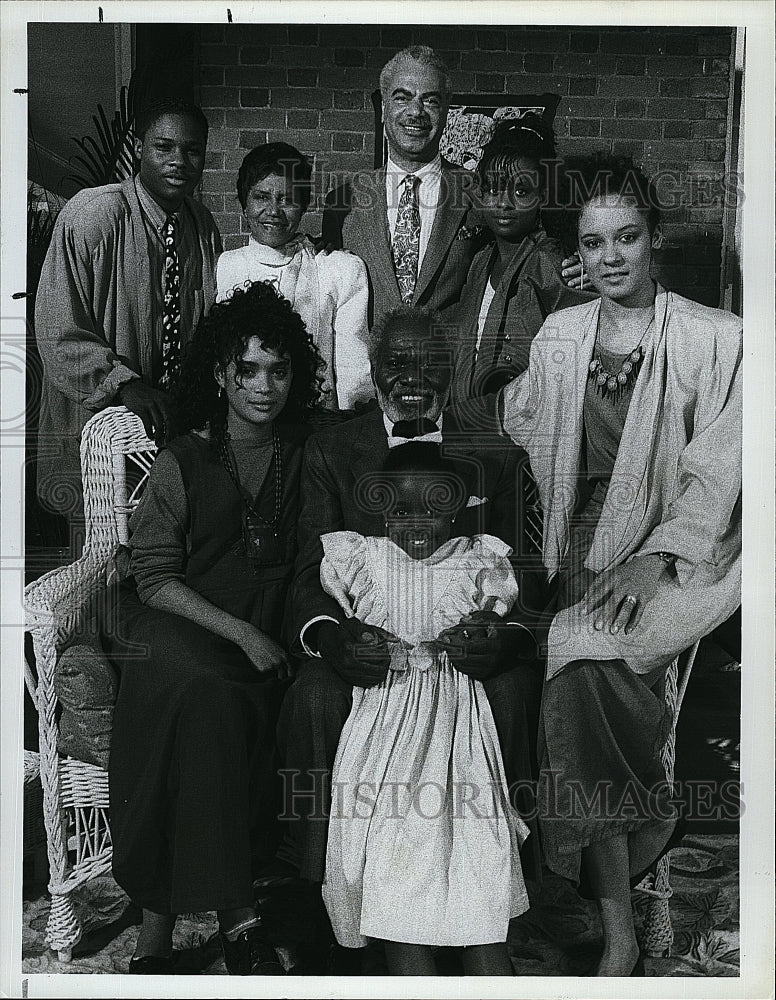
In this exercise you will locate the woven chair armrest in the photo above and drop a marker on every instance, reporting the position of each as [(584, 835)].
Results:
[(54, 601)]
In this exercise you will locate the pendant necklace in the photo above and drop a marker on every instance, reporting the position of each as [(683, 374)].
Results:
[(614, 384), (261, 536)]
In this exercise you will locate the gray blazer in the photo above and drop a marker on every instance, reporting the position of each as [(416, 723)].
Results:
[(356, 218)]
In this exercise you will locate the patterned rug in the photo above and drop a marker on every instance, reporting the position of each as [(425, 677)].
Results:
[(559, 935)]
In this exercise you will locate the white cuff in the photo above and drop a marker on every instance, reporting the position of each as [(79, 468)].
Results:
[(319, 618)]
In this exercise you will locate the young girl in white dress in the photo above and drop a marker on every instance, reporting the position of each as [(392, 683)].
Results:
[(423, 843), (329, 291)]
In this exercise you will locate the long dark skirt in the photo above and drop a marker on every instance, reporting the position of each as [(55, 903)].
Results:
[(601, 734), (191, 791), (600, 739)]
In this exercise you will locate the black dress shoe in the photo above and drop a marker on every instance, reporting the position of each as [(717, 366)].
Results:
[(638, 968), (346, 961), (251, 954), (152, 965)]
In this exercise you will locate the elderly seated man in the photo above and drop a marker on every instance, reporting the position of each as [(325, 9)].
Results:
[(411, 360)]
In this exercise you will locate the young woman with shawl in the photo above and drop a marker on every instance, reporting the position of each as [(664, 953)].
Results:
[(631, 415)]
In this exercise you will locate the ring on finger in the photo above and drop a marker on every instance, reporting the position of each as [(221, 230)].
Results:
[(465, 634), (631, 600)]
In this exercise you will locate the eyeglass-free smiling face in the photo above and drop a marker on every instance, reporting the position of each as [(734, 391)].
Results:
[(273, 211), (412, 374), (616, 249), (414, 113), (421, 515)]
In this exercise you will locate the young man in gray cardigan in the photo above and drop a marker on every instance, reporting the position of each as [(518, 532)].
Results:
[(100, 305)]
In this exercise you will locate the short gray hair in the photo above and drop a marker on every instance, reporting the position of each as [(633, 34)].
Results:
[(419, 319), (423, 54)]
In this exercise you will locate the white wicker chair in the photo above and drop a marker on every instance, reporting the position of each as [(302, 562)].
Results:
[(657, 934), (58, 604)]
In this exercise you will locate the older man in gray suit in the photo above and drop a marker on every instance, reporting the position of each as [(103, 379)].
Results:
[(410, 219)]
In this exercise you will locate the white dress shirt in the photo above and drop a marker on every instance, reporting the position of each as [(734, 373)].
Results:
[(435, 437), (487, 300), (429, 183)]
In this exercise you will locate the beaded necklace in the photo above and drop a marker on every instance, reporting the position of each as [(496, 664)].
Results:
[(226, 458), (261, 540), (614, 384)]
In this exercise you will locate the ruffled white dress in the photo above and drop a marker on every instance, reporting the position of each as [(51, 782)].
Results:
[(423, 843)]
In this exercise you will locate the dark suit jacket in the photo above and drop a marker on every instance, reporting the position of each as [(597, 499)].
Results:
[(335, 497), (356, 218), (530, 289)]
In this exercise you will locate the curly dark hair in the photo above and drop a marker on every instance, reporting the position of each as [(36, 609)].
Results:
[(282, 160), (254, 310), (586, 178)]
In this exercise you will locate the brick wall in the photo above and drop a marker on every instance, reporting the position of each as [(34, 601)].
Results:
[(661, 94)]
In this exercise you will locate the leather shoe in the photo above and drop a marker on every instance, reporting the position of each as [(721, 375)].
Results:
[(152, 965), (251, 954)]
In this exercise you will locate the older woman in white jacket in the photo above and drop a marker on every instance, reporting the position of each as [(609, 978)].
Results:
[(630, 412), (329, 291)]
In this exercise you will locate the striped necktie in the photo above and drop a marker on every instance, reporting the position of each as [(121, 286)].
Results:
[(406, 239), (171, 314)]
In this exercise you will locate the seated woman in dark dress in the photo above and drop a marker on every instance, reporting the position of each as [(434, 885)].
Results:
[(199, 639), (515, 281)]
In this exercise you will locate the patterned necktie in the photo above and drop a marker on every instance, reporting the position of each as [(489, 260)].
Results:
[(406, 239), (171, 314)]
